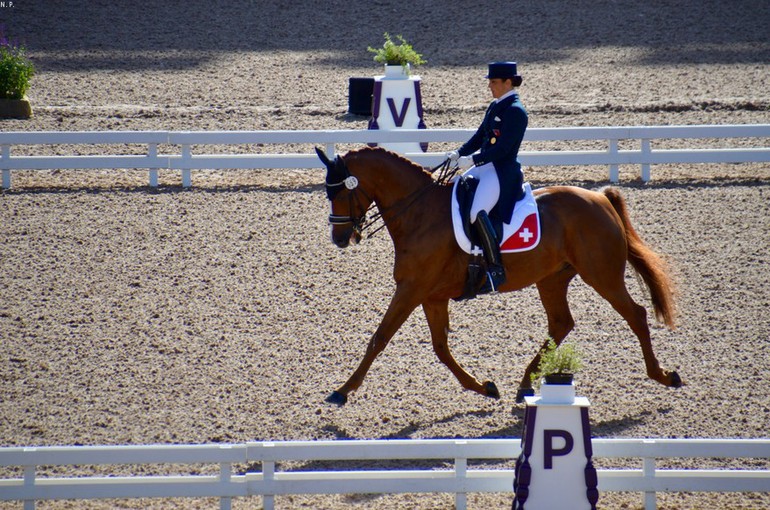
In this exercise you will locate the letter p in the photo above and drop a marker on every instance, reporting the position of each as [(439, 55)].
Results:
[(550, 451)]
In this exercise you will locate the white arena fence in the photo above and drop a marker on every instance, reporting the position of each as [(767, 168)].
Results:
[(185, 160), (454, 477)]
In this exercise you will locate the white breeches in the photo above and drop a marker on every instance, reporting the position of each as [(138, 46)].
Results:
[(488, 191)]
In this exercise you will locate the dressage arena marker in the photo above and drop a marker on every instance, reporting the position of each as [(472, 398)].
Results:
[(396, 105), (556, 453)]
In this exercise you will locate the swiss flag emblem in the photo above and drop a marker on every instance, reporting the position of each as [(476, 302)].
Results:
[(525, 237)]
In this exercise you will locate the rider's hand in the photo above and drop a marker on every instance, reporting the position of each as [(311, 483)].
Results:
[(452, 156), (465, 162)]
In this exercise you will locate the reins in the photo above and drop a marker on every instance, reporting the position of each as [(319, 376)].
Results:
[(446, 172)]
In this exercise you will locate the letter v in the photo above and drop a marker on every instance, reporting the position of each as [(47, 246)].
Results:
[(398, 117)]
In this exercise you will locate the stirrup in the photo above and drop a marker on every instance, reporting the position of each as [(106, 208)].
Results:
[(495, 278)]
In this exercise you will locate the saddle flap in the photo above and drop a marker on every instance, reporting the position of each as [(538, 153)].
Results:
[(465, 190)]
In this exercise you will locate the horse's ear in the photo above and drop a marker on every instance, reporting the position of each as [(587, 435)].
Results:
[(323, 157)]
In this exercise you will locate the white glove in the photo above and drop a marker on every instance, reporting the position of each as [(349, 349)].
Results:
[(452, 156), (465, 162)]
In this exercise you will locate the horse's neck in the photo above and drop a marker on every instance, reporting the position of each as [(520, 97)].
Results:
[(405, 195), (395, 181)]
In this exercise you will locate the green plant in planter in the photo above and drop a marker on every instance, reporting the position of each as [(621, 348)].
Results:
[(15, 69), (564, 360), (397, 54)]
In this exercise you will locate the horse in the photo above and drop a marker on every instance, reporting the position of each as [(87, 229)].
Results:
[(586, 233)]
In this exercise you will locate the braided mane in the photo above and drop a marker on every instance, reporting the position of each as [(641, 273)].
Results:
[(400, 161)]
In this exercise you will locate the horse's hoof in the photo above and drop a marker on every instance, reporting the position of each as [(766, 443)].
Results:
[(524, 392), (337, 398), (676, 381), (491, 390)]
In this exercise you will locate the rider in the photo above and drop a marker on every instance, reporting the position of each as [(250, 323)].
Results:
[(495, 165)]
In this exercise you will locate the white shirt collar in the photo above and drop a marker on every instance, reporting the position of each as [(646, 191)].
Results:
[(507, 94)]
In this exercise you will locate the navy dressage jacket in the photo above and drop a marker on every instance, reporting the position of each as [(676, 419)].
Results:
[(498, 139)]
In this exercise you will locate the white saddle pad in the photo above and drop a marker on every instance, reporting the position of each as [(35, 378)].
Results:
[(521, 234)]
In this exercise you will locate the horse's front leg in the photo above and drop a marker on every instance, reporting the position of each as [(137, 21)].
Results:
[(437, 313), (401, 306)]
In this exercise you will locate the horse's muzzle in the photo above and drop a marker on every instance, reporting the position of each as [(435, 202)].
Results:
[(342, 238)]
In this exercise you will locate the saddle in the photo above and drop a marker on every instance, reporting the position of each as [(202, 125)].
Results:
[(520, 232)]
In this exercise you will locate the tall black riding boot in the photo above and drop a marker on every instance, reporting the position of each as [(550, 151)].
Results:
[(489, 242)]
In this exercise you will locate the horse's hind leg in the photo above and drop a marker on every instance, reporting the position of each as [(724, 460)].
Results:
[(613, 289), (437, 314), (553, 294)]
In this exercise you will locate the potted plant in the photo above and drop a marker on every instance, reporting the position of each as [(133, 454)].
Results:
[(15, 73), (392, 54), (558, 364)]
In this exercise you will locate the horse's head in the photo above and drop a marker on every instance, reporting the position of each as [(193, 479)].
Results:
[(349, 202)]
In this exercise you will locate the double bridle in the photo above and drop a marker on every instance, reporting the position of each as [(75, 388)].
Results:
[(350, 182)]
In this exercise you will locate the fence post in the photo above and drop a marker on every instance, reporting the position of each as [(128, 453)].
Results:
[(29, 483), (461, 472), (613, 150), (648, 469), (186, 160), (225, 502), (6, 155), (152, 152), (268, 475), (330, 148), (646, 153)]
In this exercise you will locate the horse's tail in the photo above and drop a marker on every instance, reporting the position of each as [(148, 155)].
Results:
[(648, 264)]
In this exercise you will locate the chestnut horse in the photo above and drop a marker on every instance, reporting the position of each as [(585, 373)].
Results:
[(584, 233)]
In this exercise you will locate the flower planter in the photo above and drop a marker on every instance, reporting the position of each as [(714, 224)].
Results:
[(397, 72), (557, 393), (558, 378), (15, 108)]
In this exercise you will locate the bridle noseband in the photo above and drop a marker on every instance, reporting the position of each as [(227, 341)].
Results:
[(341, 177)]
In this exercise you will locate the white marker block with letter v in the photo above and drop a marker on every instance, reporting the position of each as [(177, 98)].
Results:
[(397, 104)]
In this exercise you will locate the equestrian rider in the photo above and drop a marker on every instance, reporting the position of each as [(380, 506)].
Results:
[(499, 173)]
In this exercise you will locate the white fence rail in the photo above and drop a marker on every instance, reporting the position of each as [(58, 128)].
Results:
[(271, 481), (185, 161)]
